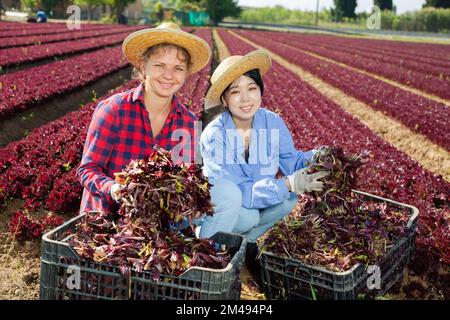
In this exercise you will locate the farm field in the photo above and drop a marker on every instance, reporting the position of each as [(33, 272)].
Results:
[(390, 98)]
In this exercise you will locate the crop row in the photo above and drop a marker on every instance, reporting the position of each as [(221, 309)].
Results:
[(19, 55), (431, 79), (33, 40), (24, 88), (55, 28), (437, 53), (392, 51), (416, 112), (8, 26)]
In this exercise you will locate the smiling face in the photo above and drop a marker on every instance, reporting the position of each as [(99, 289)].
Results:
[(165, 71), (243, 98)]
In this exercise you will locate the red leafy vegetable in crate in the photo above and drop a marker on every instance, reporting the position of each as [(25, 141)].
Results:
[(165, 192), (157, 194), (336, 228), (342, 170)]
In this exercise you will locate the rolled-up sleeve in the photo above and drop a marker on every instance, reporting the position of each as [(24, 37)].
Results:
[(101, 136)]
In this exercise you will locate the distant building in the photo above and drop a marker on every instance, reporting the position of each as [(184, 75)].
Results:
[(132, 12), (11, 4)]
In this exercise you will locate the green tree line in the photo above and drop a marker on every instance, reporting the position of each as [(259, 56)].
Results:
[(433, 17)]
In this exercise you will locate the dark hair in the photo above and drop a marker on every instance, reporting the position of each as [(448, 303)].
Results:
[(255, 76)]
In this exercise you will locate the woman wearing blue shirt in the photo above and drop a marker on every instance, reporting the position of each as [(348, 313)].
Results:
[(244, 148)]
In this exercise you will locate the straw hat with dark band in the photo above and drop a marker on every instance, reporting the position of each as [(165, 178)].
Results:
[(232, 68), (138, 42)]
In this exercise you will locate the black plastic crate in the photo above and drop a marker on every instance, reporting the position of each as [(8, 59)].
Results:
[(286, 278), (60, 264)]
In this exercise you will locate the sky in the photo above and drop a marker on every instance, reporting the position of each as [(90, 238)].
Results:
[(363, 5)]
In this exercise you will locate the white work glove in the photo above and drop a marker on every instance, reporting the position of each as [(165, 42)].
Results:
[(115, 191), (300, 181), (318, 152)]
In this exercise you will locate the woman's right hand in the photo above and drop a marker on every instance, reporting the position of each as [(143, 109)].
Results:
[(300, 181), (115, 191)]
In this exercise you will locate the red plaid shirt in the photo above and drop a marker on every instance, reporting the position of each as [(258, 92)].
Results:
[(119, 132)]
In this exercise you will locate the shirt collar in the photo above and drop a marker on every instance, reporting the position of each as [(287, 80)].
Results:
[(239, 147), (138, 95), (257, 120)]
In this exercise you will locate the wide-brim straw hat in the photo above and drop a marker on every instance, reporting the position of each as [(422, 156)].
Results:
[(138, 42), (232, 68)]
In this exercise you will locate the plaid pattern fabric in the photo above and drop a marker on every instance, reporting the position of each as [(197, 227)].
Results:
[(119, 132)]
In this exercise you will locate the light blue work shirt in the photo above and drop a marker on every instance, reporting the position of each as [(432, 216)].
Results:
[(271, 148)]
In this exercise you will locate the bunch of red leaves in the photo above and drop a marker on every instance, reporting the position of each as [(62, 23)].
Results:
[(163, 192), (157, 195), (337, 228)]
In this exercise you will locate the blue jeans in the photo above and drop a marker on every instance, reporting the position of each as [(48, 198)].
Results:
[(230, 216)]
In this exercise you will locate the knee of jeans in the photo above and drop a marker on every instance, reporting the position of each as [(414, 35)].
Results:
[(254, 221), (250, 216), (226, 194), (289, 204), (248, 219)]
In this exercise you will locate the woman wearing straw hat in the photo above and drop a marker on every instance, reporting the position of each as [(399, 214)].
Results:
[(127, 125), (244, 148)]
